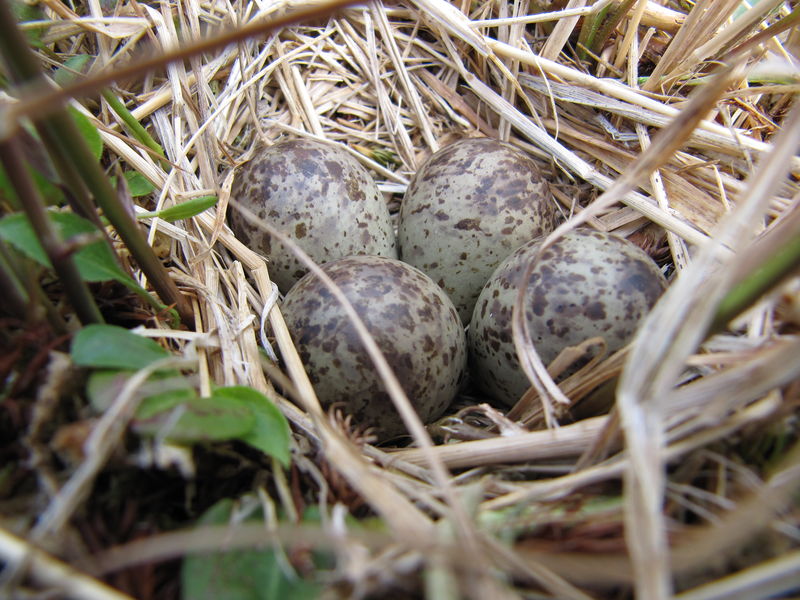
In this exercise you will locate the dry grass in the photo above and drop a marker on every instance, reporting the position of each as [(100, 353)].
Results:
[(680, 486)]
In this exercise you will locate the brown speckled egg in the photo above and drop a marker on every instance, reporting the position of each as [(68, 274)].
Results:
[(414, 323), (586, 284), (466, 209), (320, 196)]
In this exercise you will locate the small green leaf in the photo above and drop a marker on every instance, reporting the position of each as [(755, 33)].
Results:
[(95, 260), (184, 210), (161, 392), (387, 158), (52, 194), (240, 574), (113, 347), (230, 413), (17, 231), (165, 400), (138, 184), (202, 420), (88, 131), (133, 125), (270, 433), (26, 12), (72, 66)]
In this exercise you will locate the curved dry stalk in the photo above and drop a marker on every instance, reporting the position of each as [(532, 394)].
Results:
[(616, 90), (668, 140), (693, 407), (770, 579), (210, 538), (673, 329), (406, 521), (52, 573), (561, 442), (410, 418)]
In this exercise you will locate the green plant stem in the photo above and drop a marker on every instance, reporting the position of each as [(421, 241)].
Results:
[(24, 68), (79, 197), (136, 129), (588, 32), (784, 263), (32, 203), (596, 31), (69, 151), (607, 25), (84, 163)]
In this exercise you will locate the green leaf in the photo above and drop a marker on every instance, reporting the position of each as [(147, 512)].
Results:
[(240, 574), (165, 400), (113, 347), (95, 260), (236, 412), (184, 210), (270, 433), (161, 392), (52, 194), (201, 420), (71, 67), (138, 184), (230, 413), (133, 125), (17, 231), (88, 131), (26, 12)]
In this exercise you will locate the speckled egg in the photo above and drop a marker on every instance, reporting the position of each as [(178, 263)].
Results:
[(414, 323), (586, 284), (466, 209), (320, 196)]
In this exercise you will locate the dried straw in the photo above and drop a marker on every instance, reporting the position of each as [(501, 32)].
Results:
[(403, 80)]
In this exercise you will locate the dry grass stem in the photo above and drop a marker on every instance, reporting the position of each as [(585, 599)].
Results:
[(771, 578), (51, 572)]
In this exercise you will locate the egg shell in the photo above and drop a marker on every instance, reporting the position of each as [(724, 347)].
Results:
[(466, 209), (413, 322), (586, 284), (317, 194)]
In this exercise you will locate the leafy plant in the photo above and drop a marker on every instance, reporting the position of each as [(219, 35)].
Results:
[(74, 150), (230, 413), (93, 257), (241, 574), (109, 346)]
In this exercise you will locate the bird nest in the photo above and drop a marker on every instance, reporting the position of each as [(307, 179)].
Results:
[(672, 124)]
